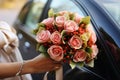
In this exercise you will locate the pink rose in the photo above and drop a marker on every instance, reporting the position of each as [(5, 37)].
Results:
[(75, 42), (94, 51), (77, 18), (48, 22), (93, 37), (60, 21), (43, 36), (70, 26), (55, 37), (79, 56), (56, 52)]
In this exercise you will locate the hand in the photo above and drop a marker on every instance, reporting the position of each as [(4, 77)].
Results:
[(43, 64)]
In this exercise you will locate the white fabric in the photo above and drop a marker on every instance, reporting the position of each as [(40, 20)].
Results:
[(58, 76), (9, 51)]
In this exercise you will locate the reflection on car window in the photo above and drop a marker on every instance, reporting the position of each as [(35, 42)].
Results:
[(35, 12), (114, 10), (60, 5), (112, 7)]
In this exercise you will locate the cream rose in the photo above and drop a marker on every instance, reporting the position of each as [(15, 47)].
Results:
[(55, 37), (56, 52), (77, 18), (59, 21), (79, 56), (70, 26), (43, 36), (75, 42)]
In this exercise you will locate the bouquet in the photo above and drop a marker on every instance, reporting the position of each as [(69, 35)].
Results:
[(68, 37)]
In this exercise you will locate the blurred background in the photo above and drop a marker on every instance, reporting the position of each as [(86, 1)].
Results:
[(9, 10)]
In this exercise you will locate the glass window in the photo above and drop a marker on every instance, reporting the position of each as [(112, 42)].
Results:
[(113, 8), (35, 13), (60, 5)]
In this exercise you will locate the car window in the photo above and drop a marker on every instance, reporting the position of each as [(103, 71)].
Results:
[(112, 8), (35, 13), (60, 5)]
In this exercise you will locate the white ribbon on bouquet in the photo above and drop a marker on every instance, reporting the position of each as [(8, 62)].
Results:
[(58, 76)]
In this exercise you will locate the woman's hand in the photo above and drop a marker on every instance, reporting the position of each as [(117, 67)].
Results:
[(38, 64), (41, 64)]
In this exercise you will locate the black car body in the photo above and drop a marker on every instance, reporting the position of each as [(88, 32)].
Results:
[(107, 65)]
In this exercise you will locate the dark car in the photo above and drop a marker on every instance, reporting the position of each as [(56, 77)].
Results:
[(105, 18)]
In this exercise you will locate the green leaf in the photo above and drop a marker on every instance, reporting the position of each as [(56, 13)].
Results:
[(51, 13), (40, 25), (55, 15), (91, 63), (72, 64), (72, 16), (34, 31), (42, 49), (37, 46), (67, 16), (85, 36), (85, 20), (88, 49), (80, 64), (41, 28), (62, 34)]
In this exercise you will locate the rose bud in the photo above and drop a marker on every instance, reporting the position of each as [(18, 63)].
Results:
[(55, 37), (75, 42), (79, 56), (70, 26), (56, 52), (43, 36)]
